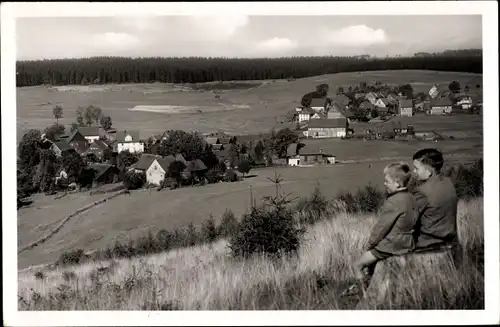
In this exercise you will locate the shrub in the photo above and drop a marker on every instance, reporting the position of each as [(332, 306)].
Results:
[(164, 239), (39, 275), (192, 235), (268, 229), (313, 208), (146, 245), (208, 230), (72, 257), (133, 180), (228, 224), (367, 199), (468, 181)]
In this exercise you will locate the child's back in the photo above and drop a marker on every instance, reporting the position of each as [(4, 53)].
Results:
[(437, 202), (398, 218)]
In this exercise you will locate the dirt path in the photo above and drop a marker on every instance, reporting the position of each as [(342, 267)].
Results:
[(65, 220)]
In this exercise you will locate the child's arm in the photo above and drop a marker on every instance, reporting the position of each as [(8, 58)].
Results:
[(390, 212), (420, 202)]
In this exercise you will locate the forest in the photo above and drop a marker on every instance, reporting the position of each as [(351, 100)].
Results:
[(118, 70)]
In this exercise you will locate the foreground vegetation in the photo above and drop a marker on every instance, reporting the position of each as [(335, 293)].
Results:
[(208, 277), (249, 269)]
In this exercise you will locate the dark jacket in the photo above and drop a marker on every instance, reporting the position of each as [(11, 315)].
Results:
[(437, 212), (393, 233)]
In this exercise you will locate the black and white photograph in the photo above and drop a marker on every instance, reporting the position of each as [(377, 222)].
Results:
[(250, 163)]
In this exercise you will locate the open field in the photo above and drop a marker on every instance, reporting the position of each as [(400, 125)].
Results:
[(241, 111), (129, 216), (206, 278)]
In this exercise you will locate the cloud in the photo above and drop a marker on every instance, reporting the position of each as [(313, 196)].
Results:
[(218, 27), (112, 40), (277, 44), (356, 35)]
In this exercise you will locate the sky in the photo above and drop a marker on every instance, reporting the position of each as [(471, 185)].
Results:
[(243, 36)]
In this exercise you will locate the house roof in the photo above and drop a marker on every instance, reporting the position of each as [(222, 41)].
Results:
[(180, 157), (384, 101), (328, 123), (308, 150), (347, 113), (196, 165), (145, 161), (100, 169), (100, 144), (320, 115), (62, 145), (334, 114), (89, 131), (120, 136), (165, 162), (441, 102), (382, 109), (212, 140), (318, 102), (359, 95), (405, 104), (291, 151)]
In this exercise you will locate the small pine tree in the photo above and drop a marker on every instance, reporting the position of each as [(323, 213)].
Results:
[(209, 230), (268, 229), (228, 224)]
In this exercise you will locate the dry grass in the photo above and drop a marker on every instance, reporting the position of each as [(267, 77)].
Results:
[(206, 277)]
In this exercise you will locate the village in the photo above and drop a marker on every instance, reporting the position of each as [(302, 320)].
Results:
[(347, 115)]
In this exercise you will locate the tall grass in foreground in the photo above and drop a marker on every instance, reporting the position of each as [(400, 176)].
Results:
[(207, 277)]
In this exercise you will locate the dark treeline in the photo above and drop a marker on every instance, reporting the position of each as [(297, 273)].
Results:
[(102, 70)]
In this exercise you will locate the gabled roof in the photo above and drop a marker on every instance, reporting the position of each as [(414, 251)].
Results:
[(441, 102), (99, 144), (328, 123), (100, 169), (405, 103), (62, 145), (196, 165), (317, 102), (336, 107), (320, 115), (217, 147), (165, 162), (384, 101), (347, 113), (89, 131), (145, 161), (120, 136)]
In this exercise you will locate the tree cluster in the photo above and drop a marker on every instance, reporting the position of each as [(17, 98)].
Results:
[(102, 70)]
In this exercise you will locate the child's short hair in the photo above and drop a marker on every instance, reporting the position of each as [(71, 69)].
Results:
[(399, 172), (430, 157)]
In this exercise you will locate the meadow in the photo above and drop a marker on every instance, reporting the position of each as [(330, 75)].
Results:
[(208, 278), (127, 217), (239, 110)]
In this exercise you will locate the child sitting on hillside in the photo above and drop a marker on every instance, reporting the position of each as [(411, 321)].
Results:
[(393, 233), (437, 203)]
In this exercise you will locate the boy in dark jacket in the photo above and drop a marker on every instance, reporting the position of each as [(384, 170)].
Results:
[(436, 202), (393, 233)]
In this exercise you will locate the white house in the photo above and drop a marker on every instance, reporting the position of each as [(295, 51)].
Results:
[(305, 114), (441, 106), (405, 108), (465, 102), (129, 140), (326, 128), (382, 102), (158, 169), (318, 115), (372, 97)]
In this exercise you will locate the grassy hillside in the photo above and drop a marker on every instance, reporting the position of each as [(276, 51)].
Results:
[(128, 216), (239, 111), (206, 278)]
